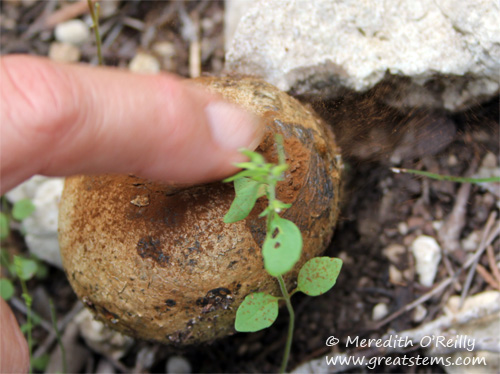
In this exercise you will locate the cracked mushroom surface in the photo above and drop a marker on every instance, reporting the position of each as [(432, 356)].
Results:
[(158, 263)]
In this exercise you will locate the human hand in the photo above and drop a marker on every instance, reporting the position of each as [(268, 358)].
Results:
[(61, 120)]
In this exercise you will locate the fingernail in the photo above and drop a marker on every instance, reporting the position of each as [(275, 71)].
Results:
[(232, 127)]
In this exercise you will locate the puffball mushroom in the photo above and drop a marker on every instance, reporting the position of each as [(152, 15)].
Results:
[(158, 263)]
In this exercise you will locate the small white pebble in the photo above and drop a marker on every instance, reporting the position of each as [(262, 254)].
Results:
[(178, 365), (108, 8), (164, 49), (403, 228), (105, 367), (380, 311), (436, 225), (427, 255), (144, 63), (207, 24), (452, 160), (74, 32), (419, 313), (346, 259), (64, 52), (471, 242), (394, 252), (395, 276), (489, 161)]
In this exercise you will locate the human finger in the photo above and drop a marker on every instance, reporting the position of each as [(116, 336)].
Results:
[(14, 356), (60, 119)]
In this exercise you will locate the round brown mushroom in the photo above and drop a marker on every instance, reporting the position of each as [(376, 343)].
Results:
[(158, 263)]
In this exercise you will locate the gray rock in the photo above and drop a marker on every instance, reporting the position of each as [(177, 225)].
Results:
[(425, 53), (40, 227)]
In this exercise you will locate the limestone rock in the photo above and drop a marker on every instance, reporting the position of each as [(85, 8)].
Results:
[(482, 331), (41, 226), (425, 53), (101, 338)]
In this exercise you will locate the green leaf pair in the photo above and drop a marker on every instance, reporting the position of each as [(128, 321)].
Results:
[(247, 192), (21, 210), (25, 268), (259, 310)]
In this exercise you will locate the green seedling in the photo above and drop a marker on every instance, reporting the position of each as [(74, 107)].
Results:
[(282, 246), (58, 336), (19, 267), (21, 210), (450, 178), (25, 269)]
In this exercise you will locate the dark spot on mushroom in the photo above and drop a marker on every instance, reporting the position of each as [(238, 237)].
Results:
[(221, 291), (88, 303), (201, 301), (170, 302), (108, 315), (149, 247), (218, 298)]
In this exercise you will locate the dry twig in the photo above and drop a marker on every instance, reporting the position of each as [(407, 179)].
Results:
[(61, 325), (487, 276), (66, 13), (479, 252), (493, 265), (449, 233)]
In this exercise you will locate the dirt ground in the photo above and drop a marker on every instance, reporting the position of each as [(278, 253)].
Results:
[(382, 211)]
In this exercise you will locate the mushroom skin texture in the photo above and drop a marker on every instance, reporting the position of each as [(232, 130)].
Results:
[(158, 263)]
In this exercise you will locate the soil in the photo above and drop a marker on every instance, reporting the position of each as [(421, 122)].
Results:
[(380, 209)]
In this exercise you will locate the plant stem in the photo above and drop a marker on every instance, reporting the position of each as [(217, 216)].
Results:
[(27, 300), (291, 324), (95, 26), (58, 335), (450, 178)]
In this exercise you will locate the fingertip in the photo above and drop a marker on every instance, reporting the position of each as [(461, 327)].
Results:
[(232, 127), (14, 354)]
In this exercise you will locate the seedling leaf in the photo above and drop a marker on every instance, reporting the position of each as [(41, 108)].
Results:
[(318, 275), (282, 246), (257, 312), (4, 226), (247, 193), (255, 157), (22, 209), (6, 288), (25, 268), (40, 363)]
